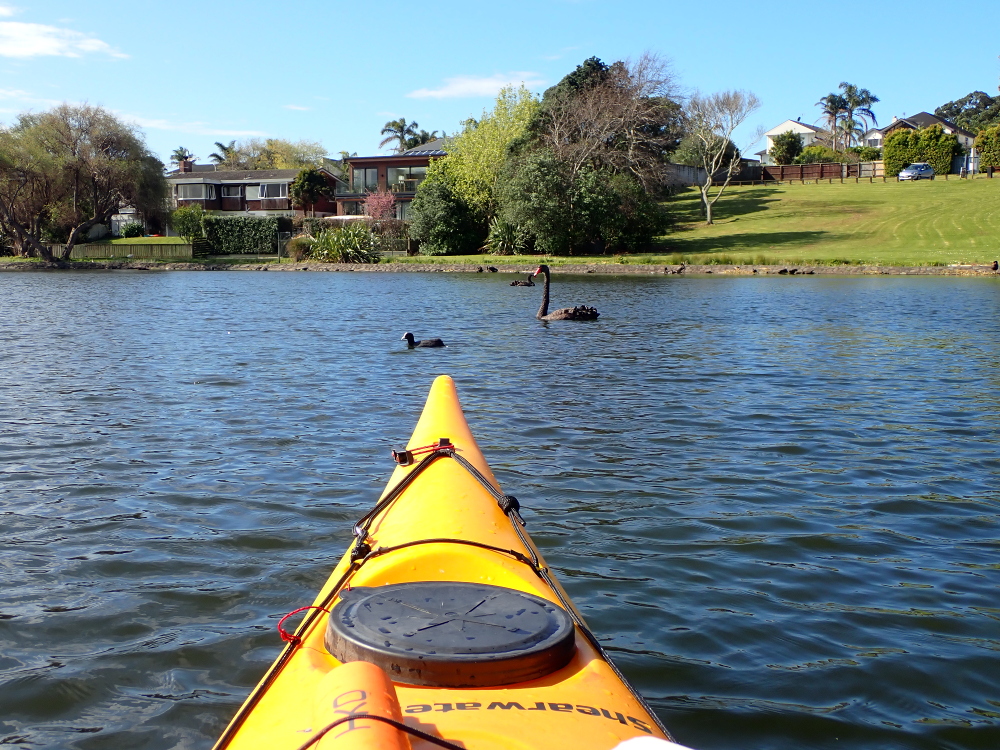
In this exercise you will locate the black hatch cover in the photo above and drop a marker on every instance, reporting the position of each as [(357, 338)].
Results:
[(451, 634)]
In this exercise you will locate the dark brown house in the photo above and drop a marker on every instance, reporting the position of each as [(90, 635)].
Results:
[(258, 192), (401, 173)]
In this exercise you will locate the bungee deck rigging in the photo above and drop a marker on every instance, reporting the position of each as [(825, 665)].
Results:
[(431, 594)]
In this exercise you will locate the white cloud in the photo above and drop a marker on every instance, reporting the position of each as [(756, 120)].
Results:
[(297, 108), (192, 128), (6, 10), (27, 97), (36, 40), (466, 86)]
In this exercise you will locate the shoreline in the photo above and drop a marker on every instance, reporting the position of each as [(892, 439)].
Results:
[(609, 269)]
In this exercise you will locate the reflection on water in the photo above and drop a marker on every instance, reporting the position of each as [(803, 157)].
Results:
[(775, 500)]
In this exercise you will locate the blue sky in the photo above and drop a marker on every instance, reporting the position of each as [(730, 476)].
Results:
[(191, 73)]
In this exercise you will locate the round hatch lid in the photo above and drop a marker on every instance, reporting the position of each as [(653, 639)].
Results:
[(451, 634)]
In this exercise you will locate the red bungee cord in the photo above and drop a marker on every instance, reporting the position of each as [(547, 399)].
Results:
[(289, 637)]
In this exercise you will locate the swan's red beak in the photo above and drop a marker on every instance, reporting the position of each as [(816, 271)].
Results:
[(537, 271)]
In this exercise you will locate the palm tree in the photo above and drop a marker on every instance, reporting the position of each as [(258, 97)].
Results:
[(833, 106), (421, 138), (400, 131), (858, 102), (181, 154), (224, 154)]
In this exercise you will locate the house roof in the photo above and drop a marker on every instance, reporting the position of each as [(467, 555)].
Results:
[(781, 127), (925, 120), (436, 147), (241, 175)]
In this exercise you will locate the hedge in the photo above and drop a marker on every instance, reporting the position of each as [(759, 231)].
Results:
[(931, 145), (988, 145), (235, 235)]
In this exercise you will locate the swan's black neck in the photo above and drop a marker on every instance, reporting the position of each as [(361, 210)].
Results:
[(544, 309)]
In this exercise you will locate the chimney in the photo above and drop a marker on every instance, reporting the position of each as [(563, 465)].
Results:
[(185, 165)]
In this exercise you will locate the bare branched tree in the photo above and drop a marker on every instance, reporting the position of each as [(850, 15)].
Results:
[(626, 120), (712, 120)]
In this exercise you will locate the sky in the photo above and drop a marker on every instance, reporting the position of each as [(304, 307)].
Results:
[(193, 73)]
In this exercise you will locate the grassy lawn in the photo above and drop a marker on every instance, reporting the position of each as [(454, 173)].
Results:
[(906, 223)]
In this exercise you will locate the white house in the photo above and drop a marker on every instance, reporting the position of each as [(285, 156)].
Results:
[(808, 133)]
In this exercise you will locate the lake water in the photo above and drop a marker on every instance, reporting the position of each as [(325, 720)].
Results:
[(774, 499)]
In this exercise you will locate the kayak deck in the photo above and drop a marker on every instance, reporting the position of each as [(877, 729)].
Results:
[(446, 525)]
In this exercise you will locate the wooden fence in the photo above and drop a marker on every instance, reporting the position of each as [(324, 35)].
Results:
[(110, 250)]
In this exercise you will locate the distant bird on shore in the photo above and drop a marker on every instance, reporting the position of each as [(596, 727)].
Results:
[(580, 312), (491, 269), (995, 266), (519, 282), (408, 338)]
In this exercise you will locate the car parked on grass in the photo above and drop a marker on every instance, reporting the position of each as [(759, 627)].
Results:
[(918, 171)]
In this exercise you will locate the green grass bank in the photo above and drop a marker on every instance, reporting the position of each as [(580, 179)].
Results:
[(893, 223)]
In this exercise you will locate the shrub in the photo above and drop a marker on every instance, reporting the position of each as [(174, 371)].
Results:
[(505, 238), (235, 235), (786, 147), (441, 221), (187, 222), (931, 145), (298, 248), (988, 145), (309, 225), (818, 154), (352, 243), (132, 229)]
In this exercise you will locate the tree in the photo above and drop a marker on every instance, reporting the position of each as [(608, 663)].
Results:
[(225, 155), (441, 220), (65, 171), (857, 103), (181, 154), (988, 145), (421, 138), (400, 131), (976, 111), (380, 205), (712, 119), (786, 147), (308, 187), (623, 117), (832, 105), (476, 155), (187, 222)]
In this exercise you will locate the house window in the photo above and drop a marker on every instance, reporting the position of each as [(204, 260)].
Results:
[(191, 192), (403, 210), (365, 179), (274, 190), (405, 179), (232, 191), (253, 192), (354, 208)]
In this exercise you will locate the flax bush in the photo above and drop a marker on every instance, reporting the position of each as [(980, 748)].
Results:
[(352, 243)]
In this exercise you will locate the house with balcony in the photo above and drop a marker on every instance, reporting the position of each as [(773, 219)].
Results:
[(257, 192), (400, 173)]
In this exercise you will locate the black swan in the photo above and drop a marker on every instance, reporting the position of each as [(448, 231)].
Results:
[(580, 312), (529, 282), (408, 338)]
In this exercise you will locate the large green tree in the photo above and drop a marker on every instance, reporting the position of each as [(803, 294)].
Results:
[(269, 153), (64, 171), (476, 155), (975, 112), (988, 145)]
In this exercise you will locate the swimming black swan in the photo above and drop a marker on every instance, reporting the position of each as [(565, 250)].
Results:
[(408, 338), (580, 312), (529, 282)]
